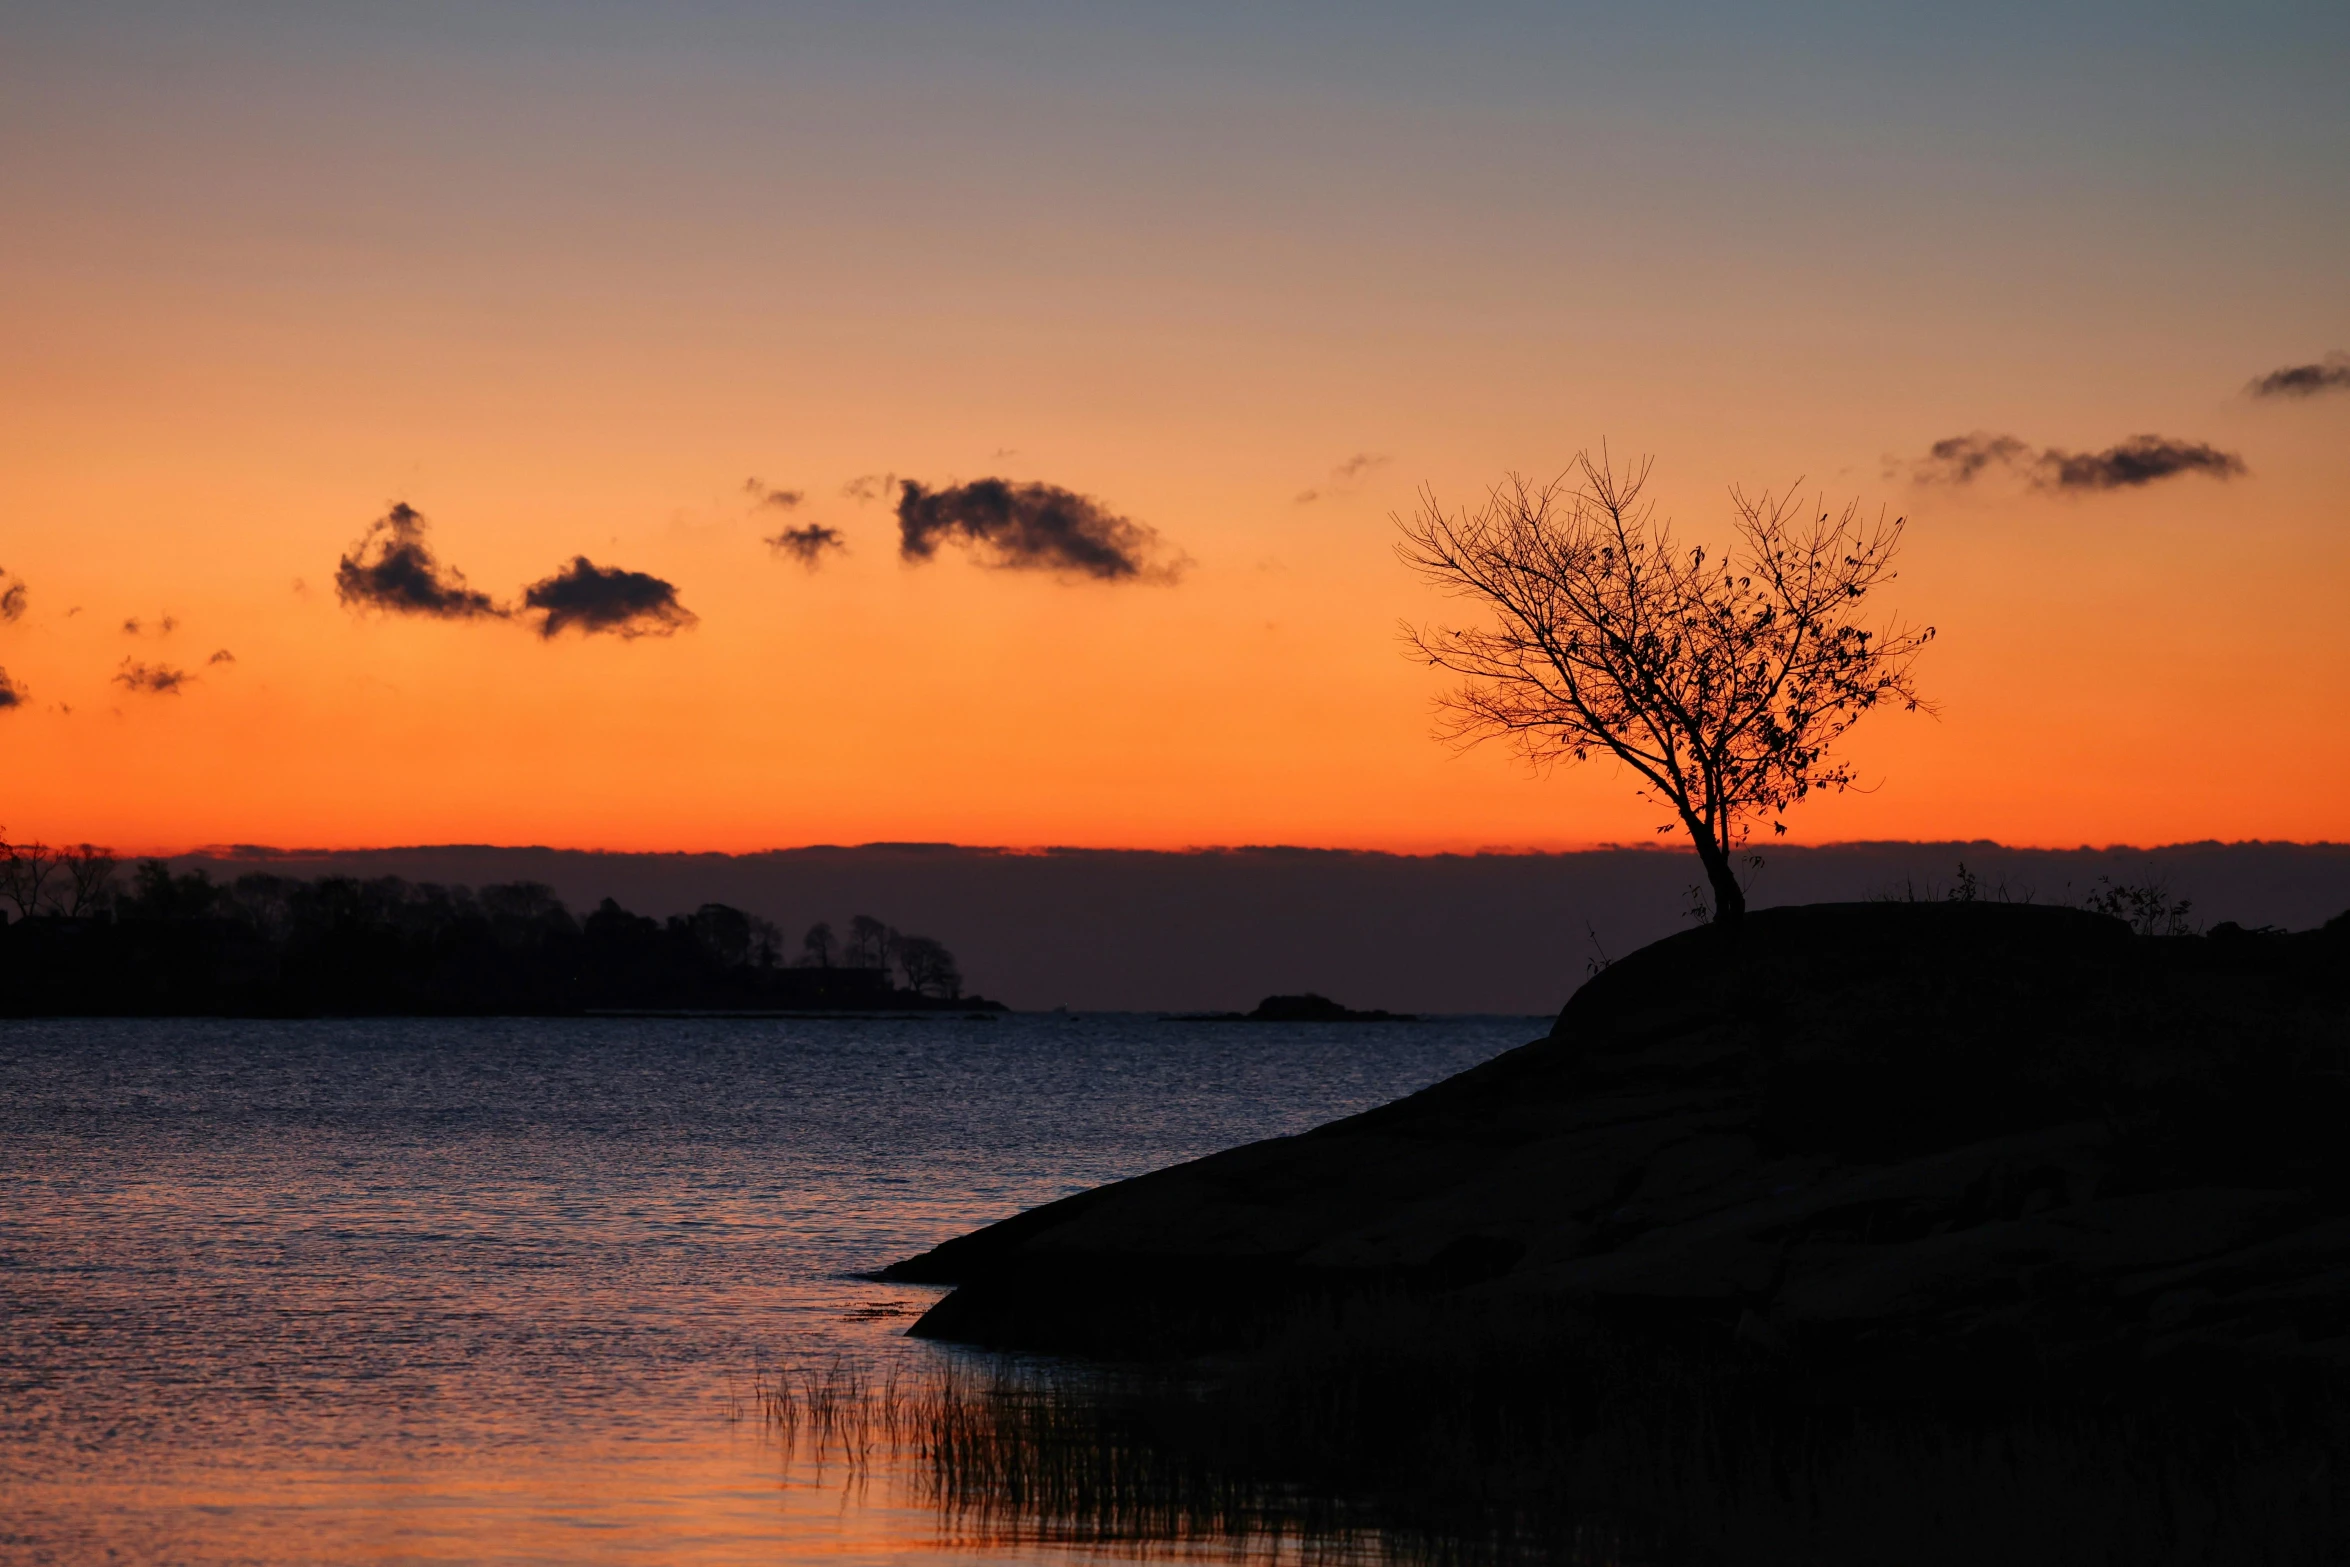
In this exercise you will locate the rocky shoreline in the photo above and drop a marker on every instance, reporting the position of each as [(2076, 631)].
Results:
[(1992, 1142)]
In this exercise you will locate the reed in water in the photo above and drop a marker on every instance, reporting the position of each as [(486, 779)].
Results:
[(1421, 1435)]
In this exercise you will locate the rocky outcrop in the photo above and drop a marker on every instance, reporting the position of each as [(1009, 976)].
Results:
[(2018, 1132)]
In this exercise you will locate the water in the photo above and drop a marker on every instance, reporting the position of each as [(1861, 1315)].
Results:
[(492, 1290)]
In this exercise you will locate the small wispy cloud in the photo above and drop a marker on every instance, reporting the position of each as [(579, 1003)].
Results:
[(808, 545), (606, 600), (766, 495), (867, 488), (392, 569), (12, 598), (1343, 478), (2130, 464), (11, 694), (2330, 374), (1031, 527), (152, 679), (221, 656)]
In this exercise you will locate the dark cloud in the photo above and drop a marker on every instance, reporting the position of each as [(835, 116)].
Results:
[(1961, 458), (222, 656), (2140, 460), (11, 694), (155, 679), (1358, 465), (867, 487), (781, 500), (1034, 527), (391, 568), (132, 627), (589, 598), (2126, 465), (2330, 374), (807, 545), (12, 600)]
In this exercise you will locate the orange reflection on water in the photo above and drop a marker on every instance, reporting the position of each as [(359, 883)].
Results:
[(696, 1488)]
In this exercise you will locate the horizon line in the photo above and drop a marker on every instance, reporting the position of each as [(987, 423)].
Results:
[(268, 852)]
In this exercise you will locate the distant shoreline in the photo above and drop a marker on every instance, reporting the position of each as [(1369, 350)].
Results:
[(1102, 930)]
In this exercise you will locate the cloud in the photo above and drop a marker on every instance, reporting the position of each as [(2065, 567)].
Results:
[(12, 600), (1961, 458), (2331, 374), (589, 598), (11, 694), (391, 568), (781, 500), (866, 487), (222, 656), (2140, 460), (155, 679), (1030, 527), (807, 545), (131, 627), (2125, 465), (1344, 477)]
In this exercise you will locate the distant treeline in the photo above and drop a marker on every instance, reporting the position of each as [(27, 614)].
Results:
[(77, 938)]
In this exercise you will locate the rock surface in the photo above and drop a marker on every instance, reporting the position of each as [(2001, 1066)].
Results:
[(2011, 1130)]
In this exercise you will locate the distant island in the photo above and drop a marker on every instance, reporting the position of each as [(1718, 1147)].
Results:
[(274, 946), (1308, 1008)]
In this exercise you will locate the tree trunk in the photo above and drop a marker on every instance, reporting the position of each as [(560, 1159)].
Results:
[(1729, 897)]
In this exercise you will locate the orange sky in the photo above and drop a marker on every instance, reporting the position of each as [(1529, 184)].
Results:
[(565, 290)]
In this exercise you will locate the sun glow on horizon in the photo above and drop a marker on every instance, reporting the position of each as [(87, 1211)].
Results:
[(1162, 328)]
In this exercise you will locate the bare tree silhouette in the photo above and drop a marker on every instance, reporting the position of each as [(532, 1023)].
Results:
[(1720, 682), (871, 943), (26, 870), (930, 969), (89, 880)]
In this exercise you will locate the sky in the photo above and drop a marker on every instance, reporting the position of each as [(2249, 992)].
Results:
[(588, 303)]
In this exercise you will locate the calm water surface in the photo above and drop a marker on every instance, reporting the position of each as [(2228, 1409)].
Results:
[(489, 1290)]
